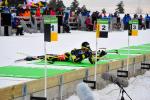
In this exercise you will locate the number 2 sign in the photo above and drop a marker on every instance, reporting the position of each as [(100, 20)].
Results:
[(103, 28)]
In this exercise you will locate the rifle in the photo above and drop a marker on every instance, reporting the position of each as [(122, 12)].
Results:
[(51, 58)]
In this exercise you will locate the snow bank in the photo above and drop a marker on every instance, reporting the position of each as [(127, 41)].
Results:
[(138, 89)]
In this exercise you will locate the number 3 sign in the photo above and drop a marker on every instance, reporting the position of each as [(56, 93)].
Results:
[(133, 28), (54, 27)]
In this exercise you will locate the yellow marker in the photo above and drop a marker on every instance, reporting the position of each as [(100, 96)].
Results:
[(97, 30), (54, 36), (134, 32)]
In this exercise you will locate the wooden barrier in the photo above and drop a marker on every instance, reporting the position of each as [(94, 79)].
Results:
[(115, 65), (35, 86), (139, 58), (6, 93), (130, 61), (75, 75), (147, 57), (102, 68), (17, 90)]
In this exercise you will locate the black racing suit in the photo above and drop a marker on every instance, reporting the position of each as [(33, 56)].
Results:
[(77, 55)]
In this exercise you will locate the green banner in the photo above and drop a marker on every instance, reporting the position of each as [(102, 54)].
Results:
[(133, 22), (102, 21), (50, 19)]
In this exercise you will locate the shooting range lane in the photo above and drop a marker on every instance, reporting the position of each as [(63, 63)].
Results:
[(26, 72), (35, 69)]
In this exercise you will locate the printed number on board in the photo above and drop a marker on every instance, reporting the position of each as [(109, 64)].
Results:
[(54, 27), (104, 27), (134, 27)]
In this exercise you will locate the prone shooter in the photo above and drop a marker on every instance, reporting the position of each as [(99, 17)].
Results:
[(75, 56)]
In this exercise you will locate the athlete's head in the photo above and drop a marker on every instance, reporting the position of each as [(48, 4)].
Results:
[(85, 45)]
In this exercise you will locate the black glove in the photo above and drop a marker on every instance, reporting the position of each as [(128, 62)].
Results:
[(102, 53)]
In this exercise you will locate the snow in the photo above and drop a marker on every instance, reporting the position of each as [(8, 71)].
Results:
[(8, 81), (138, 89), (16, 47)]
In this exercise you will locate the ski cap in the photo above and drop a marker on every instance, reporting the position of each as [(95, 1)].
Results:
[(85, 45)]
